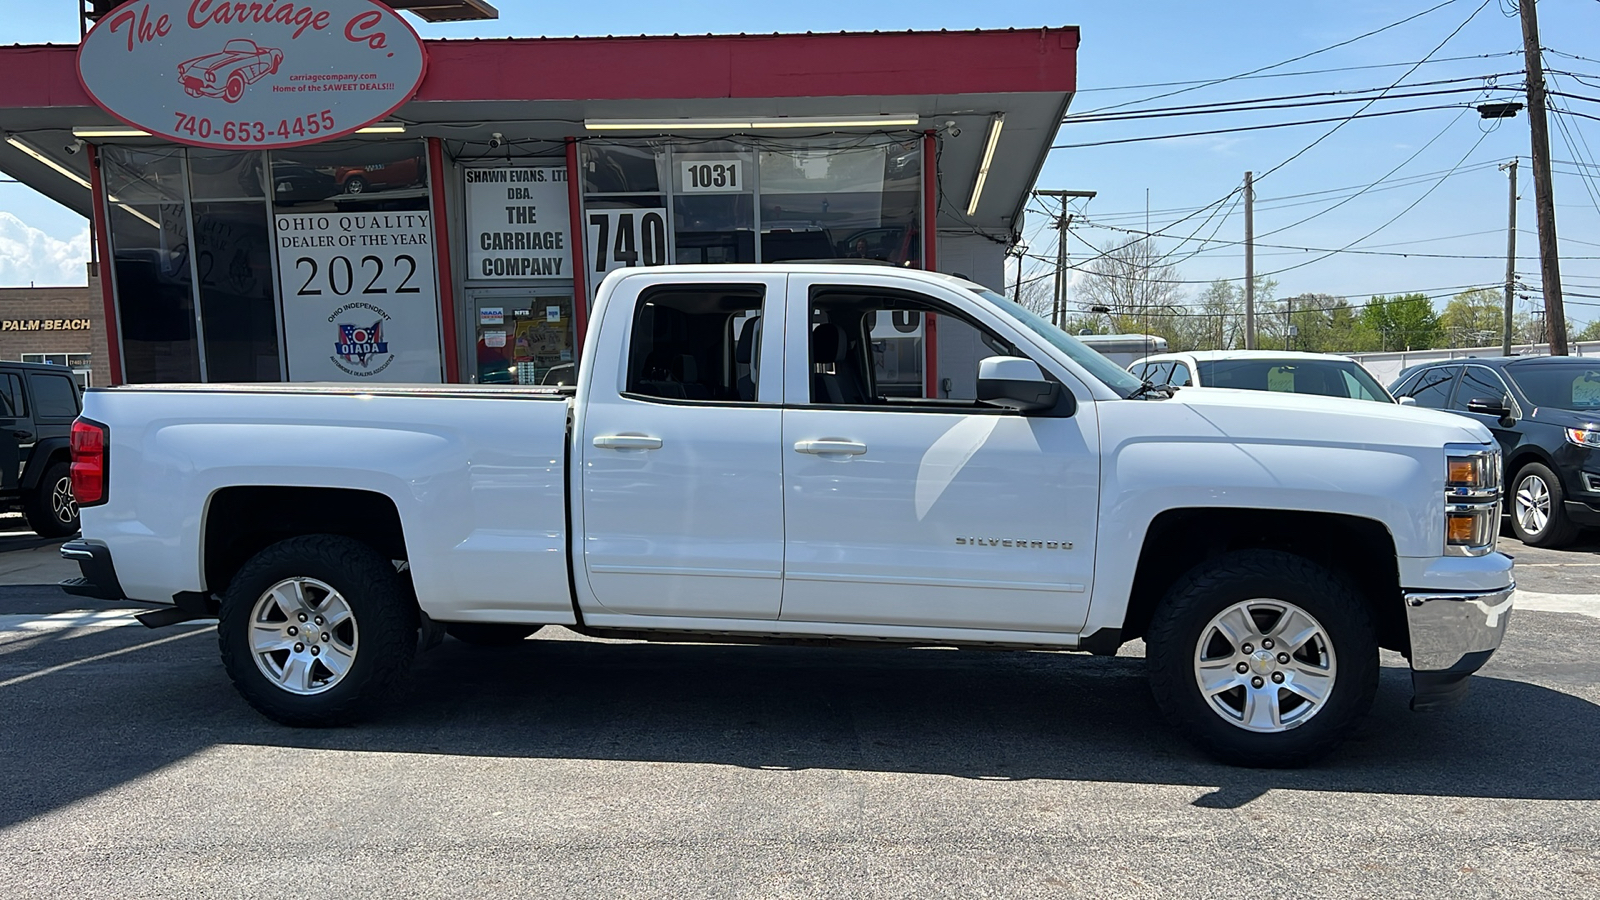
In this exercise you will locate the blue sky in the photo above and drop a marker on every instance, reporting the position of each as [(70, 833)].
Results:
[(1134, 43)]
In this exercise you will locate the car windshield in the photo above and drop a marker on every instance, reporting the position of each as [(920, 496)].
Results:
[(1567, 385), (1323, 377), (1111, 374)]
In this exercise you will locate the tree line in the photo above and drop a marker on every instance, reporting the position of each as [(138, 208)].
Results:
[(1134, 288)]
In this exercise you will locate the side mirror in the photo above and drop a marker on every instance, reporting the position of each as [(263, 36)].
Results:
[(1406, 401), (1016, 383), (1500, 409)]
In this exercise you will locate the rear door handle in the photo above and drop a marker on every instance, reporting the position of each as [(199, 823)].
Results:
[(627, 442), (830, 447), (23, 436)]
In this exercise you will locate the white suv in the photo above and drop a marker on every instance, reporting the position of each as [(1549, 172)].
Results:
[(1263, 370)]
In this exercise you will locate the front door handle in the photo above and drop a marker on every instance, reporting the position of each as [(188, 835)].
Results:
[(23, 436), (627, 442), (830, 447)]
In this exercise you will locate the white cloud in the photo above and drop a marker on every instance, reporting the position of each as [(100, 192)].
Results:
[(29, 256)]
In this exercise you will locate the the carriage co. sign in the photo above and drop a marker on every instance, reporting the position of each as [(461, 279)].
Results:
[(251, 75)]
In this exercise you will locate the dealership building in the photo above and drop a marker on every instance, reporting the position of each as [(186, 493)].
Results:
[(461, 236)]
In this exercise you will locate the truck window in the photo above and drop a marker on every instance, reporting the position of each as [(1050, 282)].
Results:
[(861, 341), (53, 396), (1180, 375), (697, 344)]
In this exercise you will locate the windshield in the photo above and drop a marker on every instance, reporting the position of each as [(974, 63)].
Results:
[(1574, 385), (1323, 377), (1111, 374)]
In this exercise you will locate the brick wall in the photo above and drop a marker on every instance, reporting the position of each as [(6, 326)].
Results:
[(28, 314)]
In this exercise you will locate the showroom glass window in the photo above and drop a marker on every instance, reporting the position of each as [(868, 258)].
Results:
[(194, 261), (749, 199)]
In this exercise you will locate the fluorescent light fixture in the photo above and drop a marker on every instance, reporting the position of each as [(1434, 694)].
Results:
[(995, 124), (108, 131), (25, 148), (139, 215), (744, 124), (384, 128)]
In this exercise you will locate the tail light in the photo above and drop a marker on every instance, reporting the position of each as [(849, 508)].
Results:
[(90, 441)]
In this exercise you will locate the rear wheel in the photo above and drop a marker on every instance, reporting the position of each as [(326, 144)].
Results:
[(51, 509), (486, 634), (356, 185), (317, 630), (1538, 513), (1263, 658)]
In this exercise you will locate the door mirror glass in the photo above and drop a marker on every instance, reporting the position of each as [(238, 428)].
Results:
[(1016, 383)]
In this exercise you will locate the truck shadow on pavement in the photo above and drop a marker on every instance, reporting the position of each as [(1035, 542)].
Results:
[(968, 714)]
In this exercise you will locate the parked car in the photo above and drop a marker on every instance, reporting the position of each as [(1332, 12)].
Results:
[(37, 406), (753, 484), (1322, 374), (1545, 412), (293, 184), (401, 173)]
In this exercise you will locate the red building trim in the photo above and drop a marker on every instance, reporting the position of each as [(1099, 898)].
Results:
[(102, 239), (580, 280), (441, 239), (930, 257), (670, 67)]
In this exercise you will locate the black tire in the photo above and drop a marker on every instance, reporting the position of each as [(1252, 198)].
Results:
[(50, 514), (1182, 620), (355, 185), (487, 634), (1558, 530), (380, 605)]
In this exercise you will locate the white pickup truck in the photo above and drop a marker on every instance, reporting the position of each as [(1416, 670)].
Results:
[(738, 462)]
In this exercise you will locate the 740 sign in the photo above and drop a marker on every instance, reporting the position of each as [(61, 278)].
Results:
[(621, 238)]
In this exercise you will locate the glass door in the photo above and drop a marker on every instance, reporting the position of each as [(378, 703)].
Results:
[(524, 337)]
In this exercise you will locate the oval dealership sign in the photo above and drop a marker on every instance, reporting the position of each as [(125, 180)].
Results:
[(251, 75)]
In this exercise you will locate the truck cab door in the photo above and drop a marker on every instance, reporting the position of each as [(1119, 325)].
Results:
[(931, 509), (680, 479)]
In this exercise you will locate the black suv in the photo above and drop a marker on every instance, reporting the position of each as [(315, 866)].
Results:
[(37, 406), (1545, 411)]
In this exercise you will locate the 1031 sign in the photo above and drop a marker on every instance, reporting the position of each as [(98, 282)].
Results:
[(711, 176), (623, 238)]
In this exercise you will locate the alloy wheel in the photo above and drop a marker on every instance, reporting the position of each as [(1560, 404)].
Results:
[(1265, 665), (63, 503), (303, 635), (1533, 504)]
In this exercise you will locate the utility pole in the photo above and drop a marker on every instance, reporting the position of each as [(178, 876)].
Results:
[(1288, 324), (1555, 315), (1511, 253), (1250, 258), (1058, 306)]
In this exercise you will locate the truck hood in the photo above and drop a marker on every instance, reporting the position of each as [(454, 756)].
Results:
[(1273, 416)]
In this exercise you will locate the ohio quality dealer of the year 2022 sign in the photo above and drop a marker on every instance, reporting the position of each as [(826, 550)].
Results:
[(251, 75), (360, 302)]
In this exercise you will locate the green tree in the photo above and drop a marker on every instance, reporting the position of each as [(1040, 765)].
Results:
[(1590, 332), (1474, 318), (1402, 322)]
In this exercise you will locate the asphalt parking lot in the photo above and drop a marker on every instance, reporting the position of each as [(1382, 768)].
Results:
[(571, 767)]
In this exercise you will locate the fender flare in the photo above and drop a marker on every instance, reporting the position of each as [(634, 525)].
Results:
[(40, 459)]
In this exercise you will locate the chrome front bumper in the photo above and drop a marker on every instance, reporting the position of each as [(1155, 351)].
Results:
[(1452, 636)]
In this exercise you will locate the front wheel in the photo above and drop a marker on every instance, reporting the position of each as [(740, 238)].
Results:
[(317, 630), (1538, 510), (1263, 658)]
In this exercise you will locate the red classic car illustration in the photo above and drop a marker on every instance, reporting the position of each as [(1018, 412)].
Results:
[(226, 74)]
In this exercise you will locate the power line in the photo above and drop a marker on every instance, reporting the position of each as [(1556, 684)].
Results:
[(1340, 119), (1286, 62), (1291, 101), (1203, 83)]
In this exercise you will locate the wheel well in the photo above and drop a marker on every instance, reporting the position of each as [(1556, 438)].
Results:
[(1361, 549), (1516, 463), (242, 521)]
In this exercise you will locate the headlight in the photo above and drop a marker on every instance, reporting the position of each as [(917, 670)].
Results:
[(211, 77), (1583, 437), (1471, 501)]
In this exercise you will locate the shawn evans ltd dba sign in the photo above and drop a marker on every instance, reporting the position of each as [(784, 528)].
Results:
[(251, 75)]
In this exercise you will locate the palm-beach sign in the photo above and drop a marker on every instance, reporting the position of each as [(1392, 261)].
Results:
[(251, 75)]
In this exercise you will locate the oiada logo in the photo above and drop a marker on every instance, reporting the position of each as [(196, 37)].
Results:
[(360, 349)]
